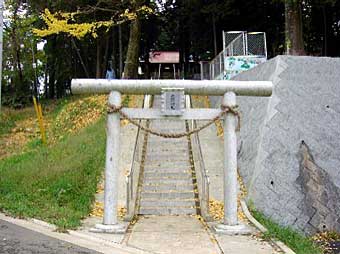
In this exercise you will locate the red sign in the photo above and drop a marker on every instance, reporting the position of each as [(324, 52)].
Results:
[(164, 57)]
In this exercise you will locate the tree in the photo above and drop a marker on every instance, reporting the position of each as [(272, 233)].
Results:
[(131, 65), (22, 61), (294, 28), (67, 23), (216, 11)]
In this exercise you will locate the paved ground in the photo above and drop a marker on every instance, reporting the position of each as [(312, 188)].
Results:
[(244, 245), (15, 239), (172, 234), (187, 235)]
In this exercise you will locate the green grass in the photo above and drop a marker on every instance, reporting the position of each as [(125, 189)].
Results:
[(294, 240), (56, 184)]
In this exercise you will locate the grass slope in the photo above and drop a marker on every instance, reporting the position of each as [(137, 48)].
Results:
[(56, 183), (9, 117)]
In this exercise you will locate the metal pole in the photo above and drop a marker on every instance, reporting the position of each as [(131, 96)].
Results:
[(230, 163), (265, 45), (192, 87), (201, 67), (230, 224), (110, 221), (224, 54), (112, 160), (1, 42), (159, 71)]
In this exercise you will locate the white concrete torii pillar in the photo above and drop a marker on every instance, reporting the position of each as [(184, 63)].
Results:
[(228, 89)]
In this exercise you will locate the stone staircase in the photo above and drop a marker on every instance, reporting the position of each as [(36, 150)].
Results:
[(167, 187)]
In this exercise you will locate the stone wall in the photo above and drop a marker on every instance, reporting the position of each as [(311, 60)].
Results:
[(289, 150)]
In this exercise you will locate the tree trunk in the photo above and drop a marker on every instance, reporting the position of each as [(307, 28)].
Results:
[(99, 62), (21, 87), (293, 27), (214, 33), (325, 34), (51, 81), (80, 58), (114, 50), (18, 60), (131, 65), (120, 51), (106, 55), (46, 81)]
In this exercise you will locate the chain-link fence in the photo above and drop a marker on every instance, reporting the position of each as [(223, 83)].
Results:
[(242, 51), (234, 43), (205, 70), (256, 44), (217, 67), (239, 43)]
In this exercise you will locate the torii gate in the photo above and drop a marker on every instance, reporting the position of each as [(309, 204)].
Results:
[(228, 89)]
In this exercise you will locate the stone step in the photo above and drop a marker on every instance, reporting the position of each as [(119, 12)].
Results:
[(168, 211), (165, 178), (152, 181), (170, 174), (167, 184), (166, 150), (168, 194), (166, 123), (167, 129), (169, 141), (167, 203), (159, 146), (164, 142), (164, 146), (154, 165), (155, 138), (165, 171), (168, 187), (154, 158)]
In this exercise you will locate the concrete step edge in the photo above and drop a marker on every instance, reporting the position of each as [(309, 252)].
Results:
[(165, 184)]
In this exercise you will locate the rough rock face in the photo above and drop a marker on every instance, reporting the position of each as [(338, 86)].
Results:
[(321, 196), (290, 143)]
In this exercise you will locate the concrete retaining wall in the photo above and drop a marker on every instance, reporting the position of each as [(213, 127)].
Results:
[(290, 143)]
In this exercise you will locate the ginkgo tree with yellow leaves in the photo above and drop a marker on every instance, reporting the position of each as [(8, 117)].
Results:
[(68, 23)]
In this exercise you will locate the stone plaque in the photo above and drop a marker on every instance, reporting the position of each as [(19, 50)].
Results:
[(173, 101)]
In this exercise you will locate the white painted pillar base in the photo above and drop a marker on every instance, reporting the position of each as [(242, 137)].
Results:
[(110, 229), (240, 229), (110, 221), (230, 222)]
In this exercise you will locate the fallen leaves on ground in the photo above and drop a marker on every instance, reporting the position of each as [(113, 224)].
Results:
[(216, 208), (326, 240), (79, 114), (25, 130), (98, 210), (100, 188)]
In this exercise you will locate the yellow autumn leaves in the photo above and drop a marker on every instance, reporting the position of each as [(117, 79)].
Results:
[(79, 114), (65, 23)]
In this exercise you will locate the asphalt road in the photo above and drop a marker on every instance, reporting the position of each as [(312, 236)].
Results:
[(18, 240)]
